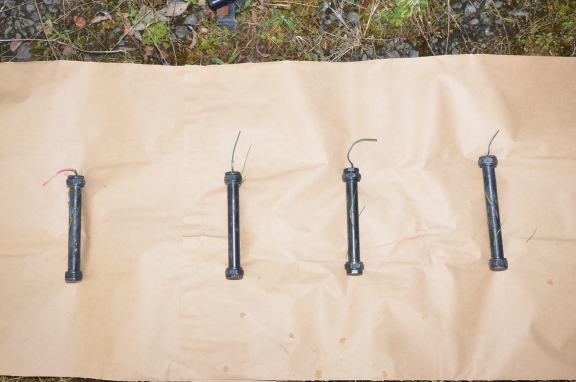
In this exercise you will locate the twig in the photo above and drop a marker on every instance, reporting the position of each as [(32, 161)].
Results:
[(423, 35), (43, 28), (374, 6), (155, 44), (292, 2), (71, 46), (16, 6), (503, 26), (448, 28), (92, 51)]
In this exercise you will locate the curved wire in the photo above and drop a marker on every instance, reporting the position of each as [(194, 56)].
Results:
[(66, 169), (235, 150), (359, 140), (491, 141)]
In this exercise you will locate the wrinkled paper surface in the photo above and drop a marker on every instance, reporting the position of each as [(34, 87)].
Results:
[(154, 144)]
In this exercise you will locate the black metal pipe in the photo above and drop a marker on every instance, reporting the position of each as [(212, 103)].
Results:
[(234, 270), (351, 177), (75, 184), (488, 164), (215, 4)]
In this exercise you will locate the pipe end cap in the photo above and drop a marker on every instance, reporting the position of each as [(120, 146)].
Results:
[(75, 180), (232, 176), (354, 269), (498, 264), (351, 173), (73, 277), (488, 160), (234, 273)]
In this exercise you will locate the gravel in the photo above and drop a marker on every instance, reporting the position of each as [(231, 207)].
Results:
[(470, 8), (353, 17), (191, 20)]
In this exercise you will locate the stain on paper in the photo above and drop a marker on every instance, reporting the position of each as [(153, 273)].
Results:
[(550, 282), (286, 351), (384, 374), (226, 368), (242, 315), (342, 340), (291, 336), (318, 374)]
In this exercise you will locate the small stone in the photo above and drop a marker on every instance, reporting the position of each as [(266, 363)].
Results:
[(470, 8), (498, 4), (48, 2), (393, 54), (16, 24), (400, 47), (455, 51), (23, 53), (487, 32), (30, 7), (414, 54), (26, 23), (18, 36), (477, 4), (181, 31), (353, 17), (457, 6), (327, 22), (191, 20), (499, 22), (10, 3), (364, 57), (7, 31), (474, 22), (34, 17), (520, 13)]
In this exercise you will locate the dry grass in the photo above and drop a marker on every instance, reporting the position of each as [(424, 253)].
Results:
[(313, 30)]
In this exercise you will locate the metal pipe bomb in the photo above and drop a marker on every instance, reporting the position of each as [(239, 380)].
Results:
[(75, 184), (234, 270), (351, 177), (233, 180), (488, 164)]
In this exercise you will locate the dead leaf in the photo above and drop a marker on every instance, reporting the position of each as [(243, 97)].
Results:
[(47, 28), (203, 30), (128, 30), (300, 54), (194, 40), (201, 3), (139, 2), (224, 11), (15, 45), (262, 54), (254, 16), (66, 51), (223, 50), (97, 19), (163, 54), (148, 51), (174, 9), (154, 3), (206, 11), (80, 21)]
